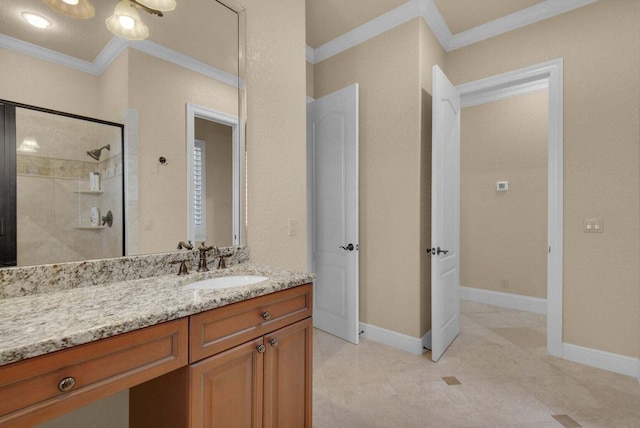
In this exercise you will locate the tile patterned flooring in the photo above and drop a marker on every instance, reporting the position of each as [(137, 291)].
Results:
[(505, 380)]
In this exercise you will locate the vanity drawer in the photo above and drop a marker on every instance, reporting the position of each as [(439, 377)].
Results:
[(32, 390), (223, 328)]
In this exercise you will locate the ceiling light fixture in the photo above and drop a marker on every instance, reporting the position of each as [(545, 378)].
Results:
[(161, 5), (125, 22), (82, 9), (36, 20)]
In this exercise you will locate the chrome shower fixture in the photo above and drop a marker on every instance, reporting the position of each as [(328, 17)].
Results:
[(96, 153)]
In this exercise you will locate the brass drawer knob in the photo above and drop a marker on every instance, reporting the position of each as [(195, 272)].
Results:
[(274, 342), (66, 384), (261, 348), (266, 315)]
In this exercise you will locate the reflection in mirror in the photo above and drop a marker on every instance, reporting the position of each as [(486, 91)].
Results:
[(193, 55), (68, 177), (213, 177)]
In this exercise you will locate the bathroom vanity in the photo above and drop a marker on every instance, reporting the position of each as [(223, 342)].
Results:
[(192, 358)]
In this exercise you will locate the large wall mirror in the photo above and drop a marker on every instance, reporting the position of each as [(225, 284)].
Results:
[(174, 101)]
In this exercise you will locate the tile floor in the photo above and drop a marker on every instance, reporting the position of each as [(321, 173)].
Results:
[(496, 374)]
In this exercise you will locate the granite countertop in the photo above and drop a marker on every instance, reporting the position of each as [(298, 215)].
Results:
[(38, 324)]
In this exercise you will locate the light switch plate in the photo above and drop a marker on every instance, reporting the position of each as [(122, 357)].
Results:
[(593, 225)]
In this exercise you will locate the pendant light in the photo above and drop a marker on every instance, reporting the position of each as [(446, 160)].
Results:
[(161, 5), (125, 22), (74, 8), (29, 145)]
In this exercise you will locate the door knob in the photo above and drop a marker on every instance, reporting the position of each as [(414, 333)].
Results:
[(349, 247), (436, 252)]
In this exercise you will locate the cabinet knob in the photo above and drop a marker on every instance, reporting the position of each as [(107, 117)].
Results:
[(266, 315), (261, 348), (274, 342), (66, 384)]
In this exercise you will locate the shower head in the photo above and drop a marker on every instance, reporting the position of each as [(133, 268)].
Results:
[(96, 153)]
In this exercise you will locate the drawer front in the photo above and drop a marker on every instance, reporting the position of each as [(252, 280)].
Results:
[(222, 328), (107, 365)]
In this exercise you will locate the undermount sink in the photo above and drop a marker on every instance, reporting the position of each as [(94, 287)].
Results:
[(225, 282)]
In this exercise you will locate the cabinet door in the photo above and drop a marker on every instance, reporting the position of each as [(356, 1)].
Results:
[(227, 389), (287, 378)]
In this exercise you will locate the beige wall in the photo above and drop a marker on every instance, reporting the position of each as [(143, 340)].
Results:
[(276, 131), (310, 80), (503, 235), (219, 179), (32, 81), (599, 44), (162, 132), (387, 68)]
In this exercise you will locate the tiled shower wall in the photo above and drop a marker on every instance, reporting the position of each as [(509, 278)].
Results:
[(50, 182)]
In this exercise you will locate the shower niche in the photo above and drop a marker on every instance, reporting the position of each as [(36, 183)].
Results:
[(69, 188)]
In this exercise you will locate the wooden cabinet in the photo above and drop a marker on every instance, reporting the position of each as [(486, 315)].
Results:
[(261, 383), (40, 388), (287, 376), (250, 368)]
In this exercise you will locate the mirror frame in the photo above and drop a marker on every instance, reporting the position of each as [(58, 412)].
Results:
[(122, 147)]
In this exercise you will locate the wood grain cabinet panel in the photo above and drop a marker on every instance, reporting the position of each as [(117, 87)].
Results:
[(31, 390), (223, 328), (227, 389), (287, 376)]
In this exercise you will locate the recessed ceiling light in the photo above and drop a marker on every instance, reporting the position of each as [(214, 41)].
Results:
[(36, 20), (71, 2)]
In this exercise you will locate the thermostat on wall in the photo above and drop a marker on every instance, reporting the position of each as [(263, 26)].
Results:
[(502, 186)]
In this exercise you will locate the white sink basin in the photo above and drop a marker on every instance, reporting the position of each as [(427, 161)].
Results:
[(225, 282)]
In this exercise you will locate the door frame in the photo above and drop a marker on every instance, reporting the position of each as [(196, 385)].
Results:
[(539, 77), (193, 112)]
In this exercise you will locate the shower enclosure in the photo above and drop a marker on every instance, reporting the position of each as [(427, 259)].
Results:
[(61, 187)]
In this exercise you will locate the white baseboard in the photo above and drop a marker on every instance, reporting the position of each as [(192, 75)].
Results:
[(394, 339), (505, 300), (602, 360)]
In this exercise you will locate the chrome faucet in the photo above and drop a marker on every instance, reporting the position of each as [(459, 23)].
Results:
[(202, 265), (182, 245)]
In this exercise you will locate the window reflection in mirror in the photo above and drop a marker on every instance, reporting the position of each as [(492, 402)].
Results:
[(68, 178)]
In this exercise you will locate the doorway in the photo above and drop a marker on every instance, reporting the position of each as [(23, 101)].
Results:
[(213, 177), (530, 79), (503, 221)]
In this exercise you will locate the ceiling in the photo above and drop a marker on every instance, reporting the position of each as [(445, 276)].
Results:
[(328, 19), (462, 15), (202, 29)]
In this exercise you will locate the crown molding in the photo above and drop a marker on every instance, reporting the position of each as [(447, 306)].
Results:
[(369, 30), (111, 51), (186, 61), (45, 54), (530, 15), (435, 21), (428, 10), (309, 54)]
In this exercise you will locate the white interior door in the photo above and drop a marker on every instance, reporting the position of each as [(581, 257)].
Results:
[(445, 215), (332, 164)]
